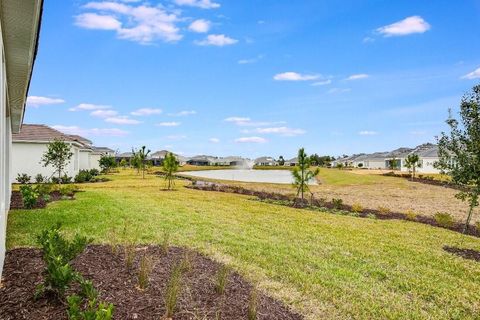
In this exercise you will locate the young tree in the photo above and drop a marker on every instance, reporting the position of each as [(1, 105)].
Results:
[(170, 166), (281, 161), (141, 155), (302, 173), (107, 162), (392, 163), (411, 162), (58, 155), (459, 151), (123, 163)]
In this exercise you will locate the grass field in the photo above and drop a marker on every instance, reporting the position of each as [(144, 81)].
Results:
[(325, 266)]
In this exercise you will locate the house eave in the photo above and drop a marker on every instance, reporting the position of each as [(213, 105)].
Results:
[(20, 25)]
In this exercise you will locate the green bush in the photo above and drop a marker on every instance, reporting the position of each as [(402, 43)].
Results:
[(411, 215), (29, 196), (356, 207), (94, 172), (23, 178), (444, 219), (94, 310), (40, 179), (44, 189), (337, 203), (83, 176)]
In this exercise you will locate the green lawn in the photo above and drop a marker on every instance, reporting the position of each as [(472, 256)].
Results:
[(326, 266)]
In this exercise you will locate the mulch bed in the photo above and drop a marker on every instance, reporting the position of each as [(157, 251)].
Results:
[(118, 285), (311, 202), (16, 201), (425, 180), (469, 254)]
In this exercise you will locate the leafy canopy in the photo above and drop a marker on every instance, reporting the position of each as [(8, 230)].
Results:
[(58, 155)]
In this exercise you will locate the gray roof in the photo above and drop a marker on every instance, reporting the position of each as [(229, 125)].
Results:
[(265, 159), (125, 155), (427, 151), (103, 150)]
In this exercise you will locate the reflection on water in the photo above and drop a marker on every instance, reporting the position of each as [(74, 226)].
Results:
[(265, 176)]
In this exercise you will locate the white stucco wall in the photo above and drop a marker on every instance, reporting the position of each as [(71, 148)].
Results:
[(94, 161), (375, 164), (84, 159), (5, 137), (27, 159)]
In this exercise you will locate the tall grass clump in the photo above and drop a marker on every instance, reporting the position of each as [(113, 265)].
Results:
[(221, 279), (144, 270), (444, 219), (174, 287), (252, 305)]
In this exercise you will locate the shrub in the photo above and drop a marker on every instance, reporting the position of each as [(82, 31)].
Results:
[(94, 172), (383, 210), (66, 179), (356, 207), (337, 203), (252, 305), (221, 279), (444, 219), (371, 216), (29, 196), (44, 189), (83, 176), (69, 190), (411, 215), (23, 178), (57, 254), (94, 310), (40, 179), (173, 290), (144, 270)]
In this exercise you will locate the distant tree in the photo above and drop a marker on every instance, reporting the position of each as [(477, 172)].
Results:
[(170, 166), (302, 173), (281, 161), (141, 157), (107, 163), (411, 162), (459, 151), (58, 155), (123, 163), (392, 163)]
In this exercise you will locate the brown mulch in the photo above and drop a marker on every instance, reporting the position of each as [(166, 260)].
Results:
[(469, 254), (322, 203), (118, 285), (16, 201)]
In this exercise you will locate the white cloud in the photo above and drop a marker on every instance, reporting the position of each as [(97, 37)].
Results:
[(141, 23), (103, 113), (214, 140), (294, 76), (322, 83), (339, 90), (146, 112), (204, 4), (199, 26), (252, 60), (183, 113), (97, 21), (105, 132), (251, 140), (284, 131), (122, 120), (410, 25), (89, 106), (472, 75), (36, 101), (367, 133), (218, 40), (168, 124), (358, 76), (247, 122), (368, 40)]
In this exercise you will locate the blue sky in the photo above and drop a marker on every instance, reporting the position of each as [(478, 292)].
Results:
[(253, 78)]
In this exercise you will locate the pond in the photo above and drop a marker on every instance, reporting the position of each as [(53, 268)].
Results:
[(246, 175)]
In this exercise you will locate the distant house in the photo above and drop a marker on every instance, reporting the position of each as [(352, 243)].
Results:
[(292, 162), (97, 153), (31, 142), (158, 157), (127, 156), (265, 161), (428, 154), (201, 160)]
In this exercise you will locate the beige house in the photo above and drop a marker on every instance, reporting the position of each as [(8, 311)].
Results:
[(19, 28)]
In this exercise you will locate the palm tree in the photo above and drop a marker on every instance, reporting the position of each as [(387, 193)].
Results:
[(411, 162), (141, 157), (170, 166), (302, 175)]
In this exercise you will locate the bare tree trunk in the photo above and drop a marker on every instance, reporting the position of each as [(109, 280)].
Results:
[(469, 218)]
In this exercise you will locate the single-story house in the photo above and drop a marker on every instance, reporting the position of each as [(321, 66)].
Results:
[(202, 160), (265, 161), (29, 145), (158, 157), (127, 156), (292, 162), (19, 29), (428, 155), (97, 153)]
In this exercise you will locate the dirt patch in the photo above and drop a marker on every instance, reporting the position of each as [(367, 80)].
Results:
[(118, 285), (469, 254), (16, 201)]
